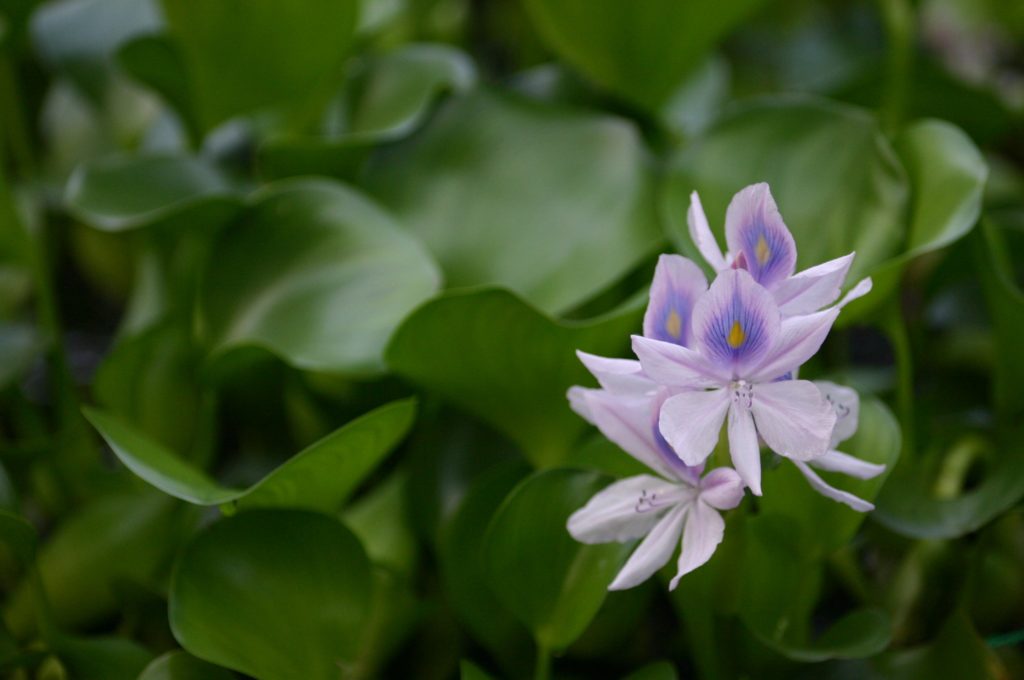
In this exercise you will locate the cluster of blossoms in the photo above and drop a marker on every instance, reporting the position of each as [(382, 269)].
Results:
[(710, 354)]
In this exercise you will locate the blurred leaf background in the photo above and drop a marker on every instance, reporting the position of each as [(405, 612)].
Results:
[(289, 294)]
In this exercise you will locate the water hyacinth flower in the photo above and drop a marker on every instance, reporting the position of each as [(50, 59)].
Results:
[(846, 404), (677, 506), (743, 349), (760, 243)]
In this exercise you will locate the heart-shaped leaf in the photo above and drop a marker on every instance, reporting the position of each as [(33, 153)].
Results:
[(182, 666), (641, 50), (281, 56), (276, 594), (130, 192), (553, 584), (552, 203), (319, 477), (317, 274), (781, 579), (499, 358)]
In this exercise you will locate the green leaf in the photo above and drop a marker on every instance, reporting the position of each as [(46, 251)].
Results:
[(957, 652), (282, 55), (552, 203), (495, 356), (462, 569), (947, 175), (183, 666), (276, 594), (470, 671), (319, 477), (781, 579), (829, 525), (156, 61), (120, 193), (105, 658), (553, 584), (641, 51), (79, 37), (313, 249), (386, 98), (18, 536), (838, 183), (115, 539)]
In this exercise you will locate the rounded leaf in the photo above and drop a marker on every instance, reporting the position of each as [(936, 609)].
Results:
[(276, 594)]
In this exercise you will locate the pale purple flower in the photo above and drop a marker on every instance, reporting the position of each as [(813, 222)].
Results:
[(760, 242), (678, 506), (742, 346), (846, 404)]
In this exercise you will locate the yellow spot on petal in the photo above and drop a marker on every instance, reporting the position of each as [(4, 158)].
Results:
[(736, 335), (762, 251), (674, 324)]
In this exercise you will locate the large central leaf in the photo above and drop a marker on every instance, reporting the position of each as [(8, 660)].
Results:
[(316, 273), (552, 204)]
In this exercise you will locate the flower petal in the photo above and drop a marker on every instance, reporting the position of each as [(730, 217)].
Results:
[(617, 375), (692, 421), (799, 339), (846, 403), (677, 284), (743, 447), (653, 552), (736, 323), (704, 530), (616, 513), (577, 397), (631, 421), (700, 234), (793, 417), (822, 487), (676, 366), (758, 237), (810, 290), (722, 488), (844, 463)]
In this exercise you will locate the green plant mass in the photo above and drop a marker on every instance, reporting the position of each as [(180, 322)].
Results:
[(552, 339)]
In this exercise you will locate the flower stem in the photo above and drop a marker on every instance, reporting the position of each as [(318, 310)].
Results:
[(542, 670), (898, 19), (896, 328)]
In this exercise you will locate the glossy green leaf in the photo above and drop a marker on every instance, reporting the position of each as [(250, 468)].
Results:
[(497, 357), (839, 185), (829, 525), (462, 566), (319, 477), (283, 54), (276, 594), (115, 539), (781, 579), (552, 203), (183, 666), (79, 37), (386, 98), (129, 192), (641, 51), (155, 60), (553, 584), (947, 176), (105, 658), (956, 652), (314, 250)]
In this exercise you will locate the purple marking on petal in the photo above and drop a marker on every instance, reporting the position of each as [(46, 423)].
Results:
[(758, 237), (677, 284), (690, 473), (736, 323)]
